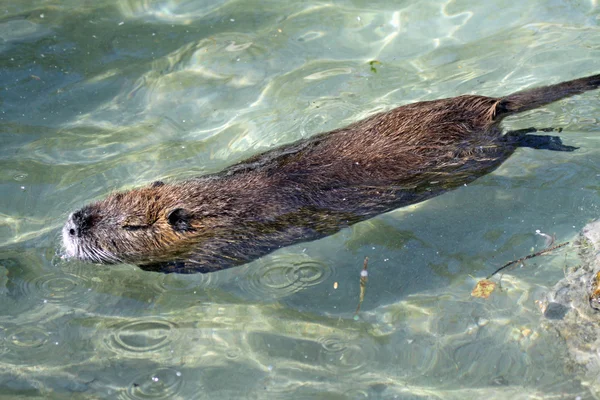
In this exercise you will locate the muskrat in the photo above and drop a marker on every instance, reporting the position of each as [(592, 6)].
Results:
[(311, 188)]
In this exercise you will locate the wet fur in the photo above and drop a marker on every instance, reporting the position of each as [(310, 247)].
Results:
[(311, 188)]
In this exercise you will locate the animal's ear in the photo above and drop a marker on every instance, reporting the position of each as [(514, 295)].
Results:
[(180, 219), (499, 110), (157, 184)]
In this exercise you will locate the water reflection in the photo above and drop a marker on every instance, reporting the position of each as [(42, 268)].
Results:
[(113, 94), (168, 11)]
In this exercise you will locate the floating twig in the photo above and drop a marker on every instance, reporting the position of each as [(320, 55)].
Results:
[(364, 275), (539, 253)]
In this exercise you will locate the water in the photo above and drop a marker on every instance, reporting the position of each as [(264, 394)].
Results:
[(108, 95)]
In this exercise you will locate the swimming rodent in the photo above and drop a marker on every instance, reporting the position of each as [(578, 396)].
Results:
[(311, 188)]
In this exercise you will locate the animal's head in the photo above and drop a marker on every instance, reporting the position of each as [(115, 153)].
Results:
[(134, 226)]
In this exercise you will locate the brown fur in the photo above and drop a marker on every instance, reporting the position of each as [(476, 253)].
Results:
[(308, 189)]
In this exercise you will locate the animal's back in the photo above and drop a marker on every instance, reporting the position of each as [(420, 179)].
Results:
[(308, 189)]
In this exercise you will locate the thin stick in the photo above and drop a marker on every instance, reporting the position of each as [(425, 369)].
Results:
[(539, 253), (363, 284)]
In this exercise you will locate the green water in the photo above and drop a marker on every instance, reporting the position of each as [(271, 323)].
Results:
[(106, 95)]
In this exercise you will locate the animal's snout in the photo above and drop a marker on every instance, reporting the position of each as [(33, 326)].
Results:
[(79, 222)]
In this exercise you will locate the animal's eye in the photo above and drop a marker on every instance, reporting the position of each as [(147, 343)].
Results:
[(134, 224), (134, 227)]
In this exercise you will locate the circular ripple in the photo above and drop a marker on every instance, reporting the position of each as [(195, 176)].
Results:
[(32, 345), (333, 344), (20, 176), (345, 357), (17, 299), (166, 383), (232, 354), (284, 275), (26, 337), (137, 338), (58, 288)]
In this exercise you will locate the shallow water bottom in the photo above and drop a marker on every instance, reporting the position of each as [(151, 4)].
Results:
[(285, 326), (105, 96)]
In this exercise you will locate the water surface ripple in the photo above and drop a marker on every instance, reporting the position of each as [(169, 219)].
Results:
[(102, 96)]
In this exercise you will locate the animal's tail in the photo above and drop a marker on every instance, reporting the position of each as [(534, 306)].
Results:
[(534, 98)]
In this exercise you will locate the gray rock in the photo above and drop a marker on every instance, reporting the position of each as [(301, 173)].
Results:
[(555, 311), (568, 309)]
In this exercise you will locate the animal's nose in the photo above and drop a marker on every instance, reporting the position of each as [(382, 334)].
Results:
[(71, 227), (79, 222)]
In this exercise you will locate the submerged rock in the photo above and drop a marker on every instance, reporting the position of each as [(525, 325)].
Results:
[(572, 308)]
